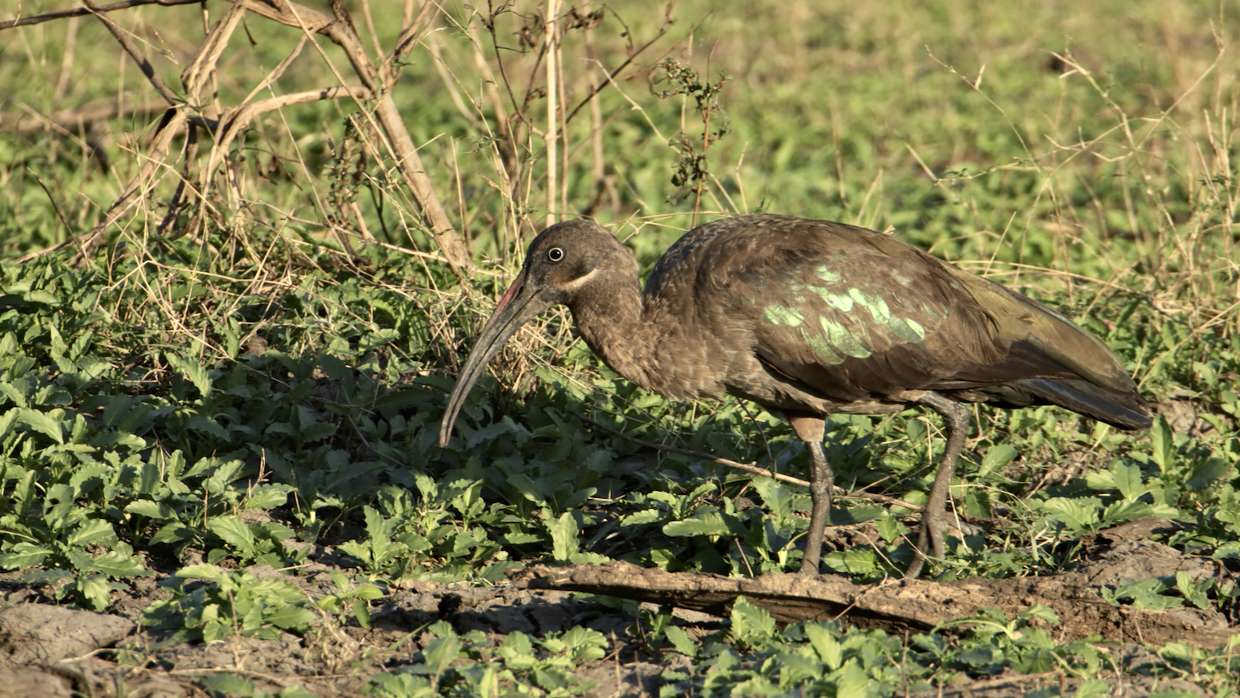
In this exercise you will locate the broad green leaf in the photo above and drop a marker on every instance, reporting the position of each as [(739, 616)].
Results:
[(1230, 549), (41, 296), (290, 617), (517, 651), (361, 612), (997, 457), (1044, 613), (23, 555), (174, 532), (192, 370), (1162, 443), (681, 641), (751, 624), (150, 480), (853, 682), (1079, 514), (776, 497), (828, 648), (48, 424), (1128, 481), (1206, 472), (708, 521), (266, 497), (1038, 661), (233, 532), (229, 685), (91, 531), (155, 510), (17, 397), (981, 656), (96, 590), (207, 425), (333, 366), (210, 572), (584, 644), (1095, 688), (641, 518), (119, 566), (218, 482), (487, 433), (441, 652), (564, 540)]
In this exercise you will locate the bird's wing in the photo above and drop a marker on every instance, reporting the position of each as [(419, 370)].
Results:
[(855, 314)]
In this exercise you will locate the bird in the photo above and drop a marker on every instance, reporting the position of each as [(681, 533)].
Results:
[(809, 319)]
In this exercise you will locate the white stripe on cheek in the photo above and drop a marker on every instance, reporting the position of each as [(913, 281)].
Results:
[(579, 281)]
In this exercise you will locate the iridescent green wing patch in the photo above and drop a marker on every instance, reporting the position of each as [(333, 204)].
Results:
[(836, 319)]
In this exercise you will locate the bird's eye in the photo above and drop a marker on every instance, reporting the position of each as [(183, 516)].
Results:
[(555, 254)]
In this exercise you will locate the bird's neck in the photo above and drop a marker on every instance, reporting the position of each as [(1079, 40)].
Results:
[(612, 324)]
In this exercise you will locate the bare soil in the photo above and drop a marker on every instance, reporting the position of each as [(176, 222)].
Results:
[(52, 651)]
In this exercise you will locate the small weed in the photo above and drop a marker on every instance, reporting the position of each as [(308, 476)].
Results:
[(229, 603), (470, 664)]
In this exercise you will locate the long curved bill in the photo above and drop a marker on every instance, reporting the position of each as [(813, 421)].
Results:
[(519, 304)]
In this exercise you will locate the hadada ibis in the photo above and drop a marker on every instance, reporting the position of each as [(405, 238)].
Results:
[(811, 318)]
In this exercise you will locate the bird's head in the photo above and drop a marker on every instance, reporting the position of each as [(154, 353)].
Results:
[(569, 263)]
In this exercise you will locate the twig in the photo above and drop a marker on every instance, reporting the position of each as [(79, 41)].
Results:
[(747, 467), (611, 75), (449, 82), (190, 151), (551, 29), (80, 11), (55, 206), (195, 75), (236, 119), (507, 142), (194, 78), (413, 33), (427, 255), (147, 69)]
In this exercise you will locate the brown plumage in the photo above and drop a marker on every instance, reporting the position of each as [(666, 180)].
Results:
[(809, 318)]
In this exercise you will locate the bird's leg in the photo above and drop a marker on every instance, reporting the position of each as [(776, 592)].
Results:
[(934, 516), (821, 482)]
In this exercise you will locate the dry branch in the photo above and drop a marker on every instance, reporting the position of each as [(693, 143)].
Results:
[(916, 606), (123, 38), (80, 11)]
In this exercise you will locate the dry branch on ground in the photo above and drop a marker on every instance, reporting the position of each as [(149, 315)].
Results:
[(917, 606)]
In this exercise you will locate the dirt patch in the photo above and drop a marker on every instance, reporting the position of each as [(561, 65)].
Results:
[(37, 634), (53, 651)]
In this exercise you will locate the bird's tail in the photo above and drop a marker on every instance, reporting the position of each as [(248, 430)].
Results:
[(1123, 410)]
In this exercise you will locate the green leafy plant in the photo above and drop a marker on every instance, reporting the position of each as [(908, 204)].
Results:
[(469, 664), (230, 603), (350, 600), (692, 170), (77, 554)]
